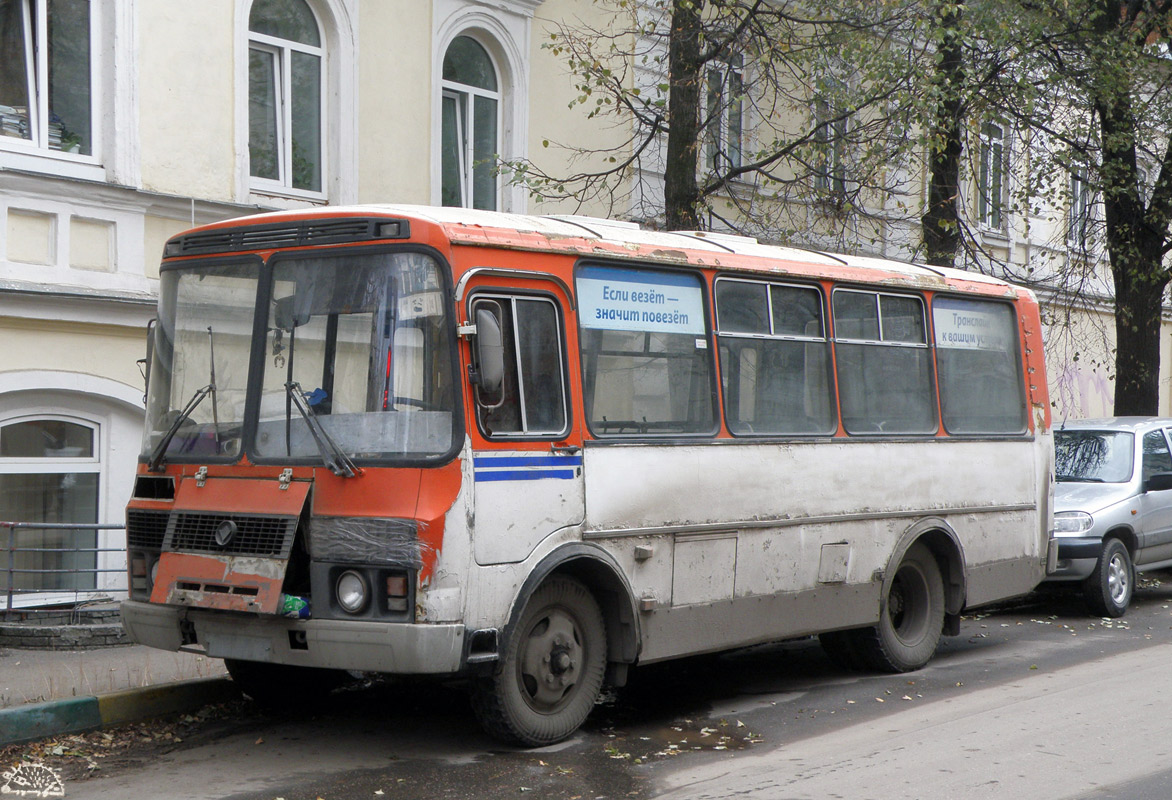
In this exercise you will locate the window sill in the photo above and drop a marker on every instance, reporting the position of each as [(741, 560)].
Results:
[(274, 196), (52, 162)]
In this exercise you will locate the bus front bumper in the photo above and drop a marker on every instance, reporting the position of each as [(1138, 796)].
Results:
[(398, 648)]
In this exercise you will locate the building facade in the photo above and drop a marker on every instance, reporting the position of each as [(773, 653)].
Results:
[(123, 122)]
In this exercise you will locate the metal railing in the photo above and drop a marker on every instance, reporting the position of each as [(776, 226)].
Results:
[(84, 584)]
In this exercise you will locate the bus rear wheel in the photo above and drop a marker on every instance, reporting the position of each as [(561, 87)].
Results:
[(911, 619), (551, 672)]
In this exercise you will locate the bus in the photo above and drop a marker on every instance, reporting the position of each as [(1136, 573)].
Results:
[(531, 452)]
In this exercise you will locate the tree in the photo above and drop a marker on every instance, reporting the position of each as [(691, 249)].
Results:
[(745, 117)]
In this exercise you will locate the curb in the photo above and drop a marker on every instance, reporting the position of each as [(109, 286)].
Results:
[(77, 714)]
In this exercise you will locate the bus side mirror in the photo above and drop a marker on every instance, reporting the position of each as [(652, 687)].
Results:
[(144, 364), (490, 356)]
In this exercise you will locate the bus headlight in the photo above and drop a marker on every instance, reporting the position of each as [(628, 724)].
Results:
[(1073, 522), (351, 591)]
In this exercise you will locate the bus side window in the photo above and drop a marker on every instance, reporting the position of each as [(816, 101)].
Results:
[(978, 358), (531, 400), (774, 357), (884, 366)]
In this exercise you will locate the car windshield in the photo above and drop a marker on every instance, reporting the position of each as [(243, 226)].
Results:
[(1094, 456)]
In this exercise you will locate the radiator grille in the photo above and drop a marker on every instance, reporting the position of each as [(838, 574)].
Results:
[(145, 530), (254, 536)]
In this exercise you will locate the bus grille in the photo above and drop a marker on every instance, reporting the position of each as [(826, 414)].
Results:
[(146, 529), (255, 535), (289, 234)]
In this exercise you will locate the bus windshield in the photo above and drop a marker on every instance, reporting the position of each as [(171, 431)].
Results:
[(356, 364)]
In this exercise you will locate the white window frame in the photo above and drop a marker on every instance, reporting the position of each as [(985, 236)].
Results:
[(51, 466), (717, 137), (992, 160), (830, 135), (283, 49), (465, 96), (505, 31), (1081, 214), (35, 153)]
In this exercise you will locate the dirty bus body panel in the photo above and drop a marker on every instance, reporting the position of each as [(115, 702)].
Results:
[(535, 451)]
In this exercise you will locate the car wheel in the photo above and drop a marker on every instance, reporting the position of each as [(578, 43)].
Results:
[(1109, 588), (551, 672), (911, 619)]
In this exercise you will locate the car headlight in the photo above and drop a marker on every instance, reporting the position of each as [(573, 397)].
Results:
[(1073, 522), (351, 591)]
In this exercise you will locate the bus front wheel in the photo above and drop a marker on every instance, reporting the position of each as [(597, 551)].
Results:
[(551, 672), (912, 618)]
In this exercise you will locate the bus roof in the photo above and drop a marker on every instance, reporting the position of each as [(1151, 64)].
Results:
[(617, 239)]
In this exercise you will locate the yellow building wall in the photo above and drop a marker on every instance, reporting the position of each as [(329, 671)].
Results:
[(100, 350), (187, 98)]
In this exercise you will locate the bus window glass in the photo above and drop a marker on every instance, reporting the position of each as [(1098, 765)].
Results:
[(884, 367), (532, 400), (981, 387), (646, 366), (775, 375), (203, 341), (364, 338)]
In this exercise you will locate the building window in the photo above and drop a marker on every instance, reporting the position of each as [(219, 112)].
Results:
[(471, 126), (1082, 209), (991, 177), (285, 101), (723, 143), (49, 473), (46, 87), (830, 133)]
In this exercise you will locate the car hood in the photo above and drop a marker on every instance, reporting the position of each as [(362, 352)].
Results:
[(1089, 497)]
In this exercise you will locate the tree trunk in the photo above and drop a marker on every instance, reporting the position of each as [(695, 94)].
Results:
[(941, 221), (681, 191), (1135, 248)]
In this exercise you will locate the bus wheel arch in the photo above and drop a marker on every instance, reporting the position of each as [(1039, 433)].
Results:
[(573, 625), (922, 596)]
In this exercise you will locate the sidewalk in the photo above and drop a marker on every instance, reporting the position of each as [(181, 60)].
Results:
[(51, 692)]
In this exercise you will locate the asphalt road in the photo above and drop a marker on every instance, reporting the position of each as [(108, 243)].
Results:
[(1035, 699)]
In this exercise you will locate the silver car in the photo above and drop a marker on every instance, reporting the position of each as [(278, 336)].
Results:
[(1112, 505)]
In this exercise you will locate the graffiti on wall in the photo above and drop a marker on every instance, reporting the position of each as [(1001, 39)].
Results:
[(1079, 390)]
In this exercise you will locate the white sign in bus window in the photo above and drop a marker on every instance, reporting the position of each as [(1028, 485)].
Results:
[(615, 299), (967, 325)]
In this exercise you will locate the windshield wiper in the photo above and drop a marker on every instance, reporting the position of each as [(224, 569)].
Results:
[(1078, 479), (155, 464), (331, 452)]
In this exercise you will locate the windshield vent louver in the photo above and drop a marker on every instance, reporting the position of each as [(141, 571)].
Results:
[(288, 234)]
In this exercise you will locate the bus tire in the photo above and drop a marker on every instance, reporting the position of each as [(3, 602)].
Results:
[(1109, 588), (911, 618), (552, 669), (283, 687)]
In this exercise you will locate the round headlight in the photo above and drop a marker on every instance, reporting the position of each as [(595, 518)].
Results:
[(154, 572), (351, 591)]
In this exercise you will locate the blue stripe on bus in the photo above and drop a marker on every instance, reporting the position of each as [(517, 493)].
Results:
[(526, 461), (524, 475)]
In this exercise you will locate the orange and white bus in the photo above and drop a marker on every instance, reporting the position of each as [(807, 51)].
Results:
[(535, 451)]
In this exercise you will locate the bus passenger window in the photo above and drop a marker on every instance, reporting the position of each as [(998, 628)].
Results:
[(646, 364), (884, 367), (532, 398), (977, 358), (774, 358)]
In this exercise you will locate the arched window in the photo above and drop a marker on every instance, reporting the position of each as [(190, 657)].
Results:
[(49, 473), (471, 126), (285, 99)]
